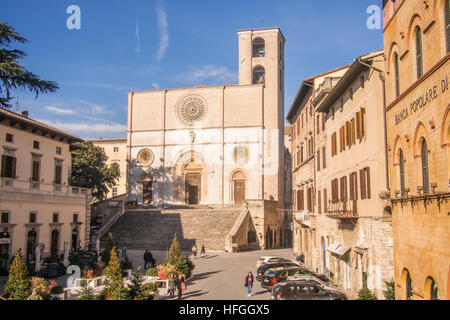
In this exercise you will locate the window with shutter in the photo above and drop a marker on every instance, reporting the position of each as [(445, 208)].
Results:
[(358, 125), (309, 200), (352, 187), (397, 75), (319, 202), (365, 183), (3, 173), (419, 53), (362, 183), (447, 24), (353, 130), (325, 201), (341, 139), (318, 124), (348, 133), (323, 121), (8, 166), (363, 122), (35, 174), (324, 157), (318, 160), (333, 144), (58, 174), (300, 200), (402, 173), (425, 171)]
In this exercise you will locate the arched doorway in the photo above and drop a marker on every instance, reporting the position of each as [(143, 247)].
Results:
[(407, 286), (238, 180), (324, 258), (147, 189), (74, 246), (54, 243), (31, 245), (193, 183)]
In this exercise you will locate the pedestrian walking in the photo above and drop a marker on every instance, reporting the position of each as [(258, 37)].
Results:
[(148, 259), (203, 251), (179, 282), (171, 285), (194, 250), (249, 283)]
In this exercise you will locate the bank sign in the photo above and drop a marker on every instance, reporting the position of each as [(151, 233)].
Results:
[(421, 101)]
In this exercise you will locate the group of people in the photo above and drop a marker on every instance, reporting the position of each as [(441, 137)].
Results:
[(176, 283), (202, 251), (149, 261)]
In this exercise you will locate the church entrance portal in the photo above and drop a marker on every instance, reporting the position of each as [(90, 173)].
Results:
[(193, 188)]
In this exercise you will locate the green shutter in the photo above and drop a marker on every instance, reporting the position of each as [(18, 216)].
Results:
[(402, 174), (447, 23), (419, 53), (425, 174)]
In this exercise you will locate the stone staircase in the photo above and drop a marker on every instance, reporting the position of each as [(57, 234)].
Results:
[(154, 229)]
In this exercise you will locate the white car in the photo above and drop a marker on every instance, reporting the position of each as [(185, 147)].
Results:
[(270, 259)]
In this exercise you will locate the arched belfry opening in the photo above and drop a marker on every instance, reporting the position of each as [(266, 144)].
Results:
[(259, 48), (259, 75)]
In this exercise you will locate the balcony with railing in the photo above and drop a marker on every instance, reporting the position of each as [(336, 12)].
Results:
[(344, 208)]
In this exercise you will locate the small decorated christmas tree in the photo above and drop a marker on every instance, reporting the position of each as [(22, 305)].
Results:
[(115, 287), (137, 290), (174, 252), (18, 286)]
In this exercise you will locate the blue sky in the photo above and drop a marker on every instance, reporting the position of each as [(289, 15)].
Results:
[(143, 45)]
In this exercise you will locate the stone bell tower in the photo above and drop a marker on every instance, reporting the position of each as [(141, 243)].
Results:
[(261, 61)]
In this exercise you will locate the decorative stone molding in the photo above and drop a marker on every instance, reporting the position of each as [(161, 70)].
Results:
[(191, 109)]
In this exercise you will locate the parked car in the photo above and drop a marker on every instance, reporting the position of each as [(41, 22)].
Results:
[(270, 259), (263, 268), (306, 288), (280, 274)]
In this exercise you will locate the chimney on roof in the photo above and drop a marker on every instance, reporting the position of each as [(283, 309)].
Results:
[(25, 114)]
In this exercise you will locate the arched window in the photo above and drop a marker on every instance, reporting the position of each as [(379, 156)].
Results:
[(259, 49), (419, 52), (447, 24), (408, 284), (401, 160), (425, 171), (397, 75), (259, 75), (431, 290)]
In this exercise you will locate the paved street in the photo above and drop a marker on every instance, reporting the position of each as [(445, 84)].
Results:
[(218, 276), (221, 276)]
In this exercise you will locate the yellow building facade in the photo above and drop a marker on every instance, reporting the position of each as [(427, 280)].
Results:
[(417, 41), (116, 151), (37, 203)]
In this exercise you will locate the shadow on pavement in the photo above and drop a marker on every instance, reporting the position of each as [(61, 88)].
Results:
[(203, 275)]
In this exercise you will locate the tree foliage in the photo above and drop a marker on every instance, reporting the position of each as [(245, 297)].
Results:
[(18, 286), (174, 251), (115, 287), (12, 74), (366, 294), (389, 293), (89, 170)]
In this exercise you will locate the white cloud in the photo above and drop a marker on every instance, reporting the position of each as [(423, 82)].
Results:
[(86, 128), (97, 85), (210, 73), (155, 85), (59, 110), (138, 39), (163, 32), (94, 107)]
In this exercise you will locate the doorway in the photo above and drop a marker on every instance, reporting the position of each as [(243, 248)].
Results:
[(193, 188), (147, 192), (4, 258), (74, 240), (31, 245), (238, 180), (54, 244)]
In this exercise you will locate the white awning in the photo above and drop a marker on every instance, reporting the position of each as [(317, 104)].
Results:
[(338, 249)]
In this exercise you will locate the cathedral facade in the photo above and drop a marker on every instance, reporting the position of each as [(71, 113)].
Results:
[(216, 146)]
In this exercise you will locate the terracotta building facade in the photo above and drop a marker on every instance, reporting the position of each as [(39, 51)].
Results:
[(417, 46)]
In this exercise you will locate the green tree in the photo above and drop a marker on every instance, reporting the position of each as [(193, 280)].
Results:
[(174, 252), (89, 170), (18, 286), (366, 294), (87, 293), (115, 287), (137, 289), (12, 74), (389, 293)]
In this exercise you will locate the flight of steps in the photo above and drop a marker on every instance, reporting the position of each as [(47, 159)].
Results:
[(154, 229)]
